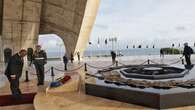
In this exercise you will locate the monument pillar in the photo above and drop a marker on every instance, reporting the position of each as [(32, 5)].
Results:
[(87, 25), (20, 27), (24, 20)]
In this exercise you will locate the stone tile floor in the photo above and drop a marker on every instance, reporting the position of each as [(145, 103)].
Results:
[(26, 87)]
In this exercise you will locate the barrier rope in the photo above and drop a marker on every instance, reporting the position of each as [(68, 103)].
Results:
[(175, 62), (95, 67), (34, 73), (127, 65), (143, 63), (154, 62), (122, 64), (69, 70), (47, 71)]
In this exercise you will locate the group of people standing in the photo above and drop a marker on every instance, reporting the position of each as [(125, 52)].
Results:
[(15, 66), (186, 53)]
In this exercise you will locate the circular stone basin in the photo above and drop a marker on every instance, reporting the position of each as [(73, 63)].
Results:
[(131, 84), (153, 72)]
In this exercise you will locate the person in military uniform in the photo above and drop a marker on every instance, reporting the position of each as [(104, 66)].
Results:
[(187, 54), (14, 72), (39, 60)]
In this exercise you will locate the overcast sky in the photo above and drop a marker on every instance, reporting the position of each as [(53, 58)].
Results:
[(146, 22), (51, 43)]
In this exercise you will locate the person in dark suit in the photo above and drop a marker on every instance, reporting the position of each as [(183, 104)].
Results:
[(187, 54), (161, 53), (39, 60), (78, 56), (14, 72), (113, 55), (65, 60)]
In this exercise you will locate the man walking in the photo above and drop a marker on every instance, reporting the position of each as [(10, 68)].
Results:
[(65, 60), (187, 54), (39, 60), (161, 53), (14, 72), (78, 56), (113, 55)]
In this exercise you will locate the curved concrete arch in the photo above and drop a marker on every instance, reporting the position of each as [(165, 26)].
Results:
[(24, 20)]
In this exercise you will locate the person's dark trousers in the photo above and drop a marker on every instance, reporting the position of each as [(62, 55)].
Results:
[(79, 59), (14, 86), (162, 55), (40, 74), (188, 60), (65, 66), (113, 60)]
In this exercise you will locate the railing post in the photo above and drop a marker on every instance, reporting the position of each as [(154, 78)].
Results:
[(85, 66), (52, 73), (116, 63), (27, 79), (148, 61)]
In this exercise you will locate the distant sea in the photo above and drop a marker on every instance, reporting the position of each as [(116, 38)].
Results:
[(124, 52)]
